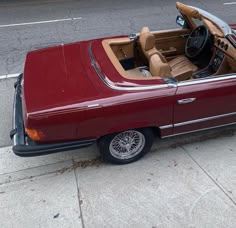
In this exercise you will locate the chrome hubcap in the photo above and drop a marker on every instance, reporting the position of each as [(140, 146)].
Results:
[(127, 144)]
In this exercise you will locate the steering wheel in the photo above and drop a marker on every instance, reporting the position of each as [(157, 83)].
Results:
[(196, 41)]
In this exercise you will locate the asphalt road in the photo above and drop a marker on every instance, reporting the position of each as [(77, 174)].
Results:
[(52, 22)]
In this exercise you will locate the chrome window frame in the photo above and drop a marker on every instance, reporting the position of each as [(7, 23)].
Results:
[(107, 82), (207, 79)]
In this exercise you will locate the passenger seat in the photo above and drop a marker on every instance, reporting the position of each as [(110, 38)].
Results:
[(180, 67)]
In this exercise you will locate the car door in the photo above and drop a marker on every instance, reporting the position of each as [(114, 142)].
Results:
[(171, 42), (205, 103)]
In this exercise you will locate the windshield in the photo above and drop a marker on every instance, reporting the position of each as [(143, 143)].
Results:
[(197, 22), (223, 25)]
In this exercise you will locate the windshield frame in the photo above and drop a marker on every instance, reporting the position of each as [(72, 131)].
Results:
[(222, 24)]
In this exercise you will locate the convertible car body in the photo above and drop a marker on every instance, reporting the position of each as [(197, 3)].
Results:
[(119, 91)]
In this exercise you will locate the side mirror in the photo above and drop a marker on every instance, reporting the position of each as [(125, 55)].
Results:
[(180, 21)]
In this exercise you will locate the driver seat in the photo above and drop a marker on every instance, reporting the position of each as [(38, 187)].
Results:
[(181, 68)]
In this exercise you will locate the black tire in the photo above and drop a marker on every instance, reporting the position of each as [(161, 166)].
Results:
[(143, 138)]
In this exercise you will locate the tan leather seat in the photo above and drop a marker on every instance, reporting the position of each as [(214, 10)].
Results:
[(180, 62), (180, 67), (159, 68), (163, 69), (147, 42)]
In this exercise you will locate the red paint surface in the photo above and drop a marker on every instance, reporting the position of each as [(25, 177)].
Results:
[(60, 83), (54, 77), (213, 98)]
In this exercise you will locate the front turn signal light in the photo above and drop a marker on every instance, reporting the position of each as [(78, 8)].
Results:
[(34, 134)]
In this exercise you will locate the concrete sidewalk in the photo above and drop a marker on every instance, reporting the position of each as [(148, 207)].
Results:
[(178, 184)]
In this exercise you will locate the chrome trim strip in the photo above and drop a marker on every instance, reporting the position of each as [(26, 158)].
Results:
[(196, 121), (93, 105), (202, 129), (204, 119), (106, 80), (207, 79), (166, 126)]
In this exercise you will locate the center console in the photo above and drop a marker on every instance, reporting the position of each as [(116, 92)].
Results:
[(215, 64), (212, 67)]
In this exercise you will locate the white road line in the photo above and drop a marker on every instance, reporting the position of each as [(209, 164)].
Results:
[(229, 3), (5, 76), (12, 75), (41, 22)]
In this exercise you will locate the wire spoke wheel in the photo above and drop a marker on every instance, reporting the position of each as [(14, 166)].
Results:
[(127, 144)]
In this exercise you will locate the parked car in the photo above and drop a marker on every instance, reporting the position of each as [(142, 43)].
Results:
[(119, 91)]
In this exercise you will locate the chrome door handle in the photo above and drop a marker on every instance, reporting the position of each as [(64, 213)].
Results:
[(186, 101)]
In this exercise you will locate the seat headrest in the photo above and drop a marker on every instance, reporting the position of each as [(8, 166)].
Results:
[(144, 30), (146, 39)]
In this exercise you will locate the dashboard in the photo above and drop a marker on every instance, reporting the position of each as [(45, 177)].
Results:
[(221, 43), (226, 47)]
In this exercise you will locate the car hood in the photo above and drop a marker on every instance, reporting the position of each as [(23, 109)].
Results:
[(55, 77)]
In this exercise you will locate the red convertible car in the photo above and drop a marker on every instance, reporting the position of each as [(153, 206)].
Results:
[(121, 91)]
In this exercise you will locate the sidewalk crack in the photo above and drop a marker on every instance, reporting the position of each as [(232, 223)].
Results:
[(209, 176), (78, 194)]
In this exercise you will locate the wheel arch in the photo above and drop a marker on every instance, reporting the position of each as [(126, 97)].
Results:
[(156, 131)]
